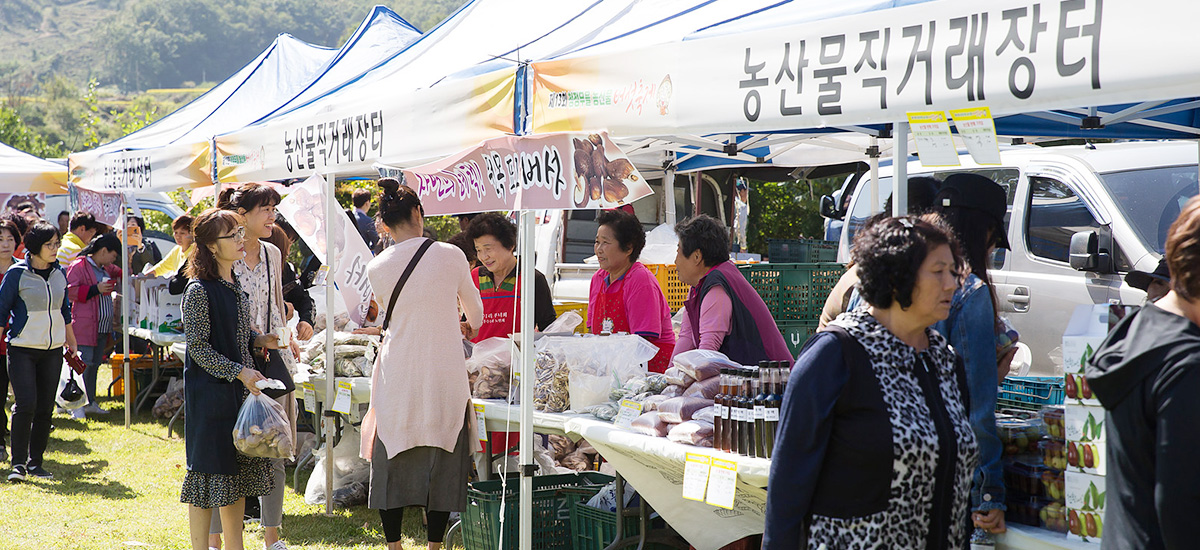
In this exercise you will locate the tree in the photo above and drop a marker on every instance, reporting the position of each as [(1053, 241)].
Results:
[(15, 133), (786, 210)]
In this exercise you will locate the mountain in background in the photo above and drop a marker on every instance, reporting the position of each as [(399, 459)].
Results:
[(143, 44)]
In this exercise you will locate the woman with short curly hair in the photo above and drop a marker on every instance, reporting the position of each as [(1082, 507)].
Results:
[(875, 447)]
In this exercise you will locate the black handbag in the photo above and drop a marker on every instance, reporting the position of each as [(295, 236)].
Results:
[(71, 391), (270, 362)]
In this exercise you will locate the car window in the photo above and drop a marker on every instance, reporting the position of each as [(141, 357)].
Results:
[(1055, 214)]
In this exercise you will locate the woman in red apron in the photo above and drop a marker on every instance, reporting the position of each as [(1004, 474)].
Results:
[(624, 295), (495, 239)]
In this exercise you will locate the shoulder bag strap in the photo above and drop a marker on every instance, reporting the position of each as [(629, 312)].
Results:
[(404, 279), (270, 290)]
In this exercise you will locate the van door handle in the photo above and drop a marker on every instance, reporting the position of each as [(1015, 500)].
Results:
[(1019, 299)]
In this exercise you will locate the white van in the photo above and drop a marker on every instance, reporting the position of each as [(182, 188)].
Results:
[(1079, 218)]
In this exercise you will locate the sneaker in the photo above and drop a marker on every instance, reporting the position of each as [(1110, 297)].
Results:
[(38, 471), (18, 473), (78, 414), (92, 408), (279, 545)]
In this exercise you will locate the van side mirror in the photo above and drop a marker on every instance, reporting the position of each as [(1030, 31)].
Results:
[(1086, 254), (829, 208)]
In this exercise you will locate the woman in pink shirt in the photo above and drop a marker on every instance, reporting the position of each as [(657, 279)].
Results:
[(724, 313), (625, 296)]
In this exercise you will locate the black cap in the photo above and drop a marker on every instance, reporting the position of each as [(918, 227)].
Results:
[(1141, 280), (966, 190)]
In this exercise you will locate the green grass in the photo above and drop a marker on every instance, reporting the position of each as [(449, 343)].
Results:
[(117, 488)]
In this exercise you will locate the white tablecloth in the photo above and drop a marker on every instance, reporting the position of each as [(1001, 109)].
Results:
[(164, 339)]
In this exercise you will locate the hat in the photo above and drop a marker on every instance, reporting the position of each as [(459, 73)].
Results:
[(1141, 280), (965, 190)]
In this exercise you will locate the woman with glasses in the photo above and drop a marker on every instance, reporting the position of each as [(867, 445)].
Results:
[(33, 298), (218, 374)]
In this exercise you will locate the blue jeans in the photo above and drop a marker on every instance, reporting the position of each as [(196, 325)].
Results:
[(93, 357)]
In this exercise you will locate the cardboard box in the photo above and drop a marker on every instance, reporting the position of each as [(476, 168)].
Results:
[(1085, 507), (169, 313), (1086, 444), (1077, 392), (1087, 328)]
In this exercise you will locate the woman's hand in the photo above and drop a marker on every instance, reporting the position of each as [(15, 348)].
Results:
[(292, 345), (304, 331), (288, 310), (269, 341), (106, 287), (373, 331), (467, 330), (249, 377), (991, 521)]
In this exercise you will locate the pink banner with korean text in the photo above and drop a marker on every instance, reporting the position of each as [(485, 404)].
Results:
[(575, 170)]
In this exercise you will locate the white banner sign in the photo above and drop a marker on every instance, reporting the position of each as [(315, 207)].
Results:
[(166, 168), (305, 209), (105, 207), (1014, 56)]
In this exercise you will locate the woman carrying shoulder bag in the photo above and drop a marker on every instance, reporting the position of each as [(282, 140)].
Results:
[(417, 430)]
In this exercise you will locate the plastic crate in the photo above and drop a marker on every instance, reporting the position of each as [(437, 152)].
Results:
[(796, 333), (137, 362), (551, 511), (801, 250), (794, 291), (579, 307), (594, 529), (675, 290), (1030, 393)]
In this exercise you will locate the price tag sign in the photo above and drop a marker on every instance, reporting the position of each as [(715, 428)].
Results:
[(695, 476), (630, 410), (342, 403), (480, 427), (722, 483), (978, 132), (322, 273), (310, 397), (931, 133)]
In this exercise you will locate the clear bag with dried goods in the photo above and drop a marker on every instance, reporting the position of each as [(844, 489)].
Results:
[(702, 364), (262, 429)]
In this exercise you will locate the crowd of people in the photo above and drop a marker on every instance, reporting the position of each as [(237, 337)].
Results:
[(887, 434)]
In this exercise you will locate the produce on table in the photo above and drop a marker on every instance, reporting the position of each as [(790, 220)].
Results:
[(651, 424), (681, 409), (693, 432)]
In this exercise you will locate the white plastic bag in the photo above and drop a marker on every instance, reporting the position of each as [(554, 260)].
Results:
[(67, 374), (490, 368), (567, 322), (349, 469), (702, 364), (262, 429)]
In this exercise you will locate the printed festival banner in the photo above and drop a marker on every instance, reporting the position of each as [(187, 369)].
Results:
[(166, 168), (105, 207), (304, 208), (549, 171), (1012, 56)]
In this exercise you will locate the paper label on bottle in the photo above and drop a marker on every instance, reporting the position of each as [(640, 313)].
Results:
[(719, 411), (695, 476), (772, 414), (342, 403), (310, 397), (741, 414), (722, 483), (630, 410), (760, 412), (480, 426)]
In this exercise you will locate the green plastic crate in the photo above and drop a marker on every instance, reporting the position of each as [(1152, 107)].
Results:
[(594, 529), (801, 250), (796, 333), (551, 511), (794, 291)]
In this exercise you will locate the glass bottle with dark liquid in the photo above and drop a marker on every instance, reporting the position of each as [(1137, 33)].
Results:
[(746, 403), (771, 409), (733, 425), (718, 417), (760, 413)]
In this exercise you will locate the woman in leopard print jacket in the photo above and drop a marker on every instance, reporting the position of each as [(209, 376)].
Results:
[(875, 446)]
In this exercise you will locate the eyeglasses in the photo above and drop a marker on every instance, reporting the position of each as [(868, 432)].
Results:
[(239, 234)]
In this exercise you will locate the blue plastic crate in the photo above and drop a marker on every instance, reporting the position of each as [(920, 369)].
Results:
[(1031, 392)]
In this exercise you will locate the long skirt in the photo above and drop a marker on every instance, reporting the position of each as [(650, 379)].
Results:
[(422, 476)]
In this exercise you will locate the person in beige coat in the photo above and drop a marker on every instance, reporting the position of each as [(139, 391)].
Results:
[(417, 431)]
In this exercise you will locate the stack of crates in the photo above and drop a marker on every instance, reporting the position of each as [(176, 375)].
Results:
[(795, 295), (808, 251), (676, 291)]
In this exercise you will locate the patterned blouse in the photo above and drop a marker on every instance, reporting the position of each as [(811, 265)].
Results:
[(196, 318), (257, 287)]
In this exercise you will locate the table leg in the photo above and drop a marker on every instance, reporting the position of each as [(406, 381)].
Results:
[(155, 376), (171, 423)]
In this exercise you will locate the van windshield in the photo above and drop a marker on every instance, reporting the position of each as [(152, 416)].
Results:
[(1151, 198)]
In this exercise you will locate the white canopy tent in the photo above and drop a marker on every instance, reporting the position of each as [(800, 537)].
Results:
[(21, 172)]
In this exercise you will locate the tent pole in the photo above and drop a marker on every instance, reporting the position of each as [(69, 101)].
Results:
[(525, 447), (330, 419), (127, 373), (900, 170), (873, 160), (669, 189)]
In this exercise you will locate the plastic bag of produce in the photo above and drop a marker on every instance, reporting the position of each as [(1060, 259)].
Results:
[(605, 411), (681, 409), (652, 402), (171, 400), (657, 382), (672, 391), (650, 423), (691, 432), (707, 414), (707, 388), (567, 322), (551, 392), (262, 429), (593, 361), (676, 376), (492, 361), (702, 364), (560, 446)]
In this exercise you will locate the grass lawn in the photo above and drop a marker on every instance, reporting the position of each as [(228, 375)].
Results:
[(118, 488)]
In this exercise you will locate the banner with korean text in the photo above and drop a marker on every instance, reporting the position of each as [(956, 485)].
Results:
[(548, 171), (1013, 56), (166, 168), (348, 131), (304, 208)]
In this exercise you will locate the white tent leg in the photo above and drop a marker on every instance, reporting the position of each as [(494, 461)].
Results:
[(127, 372), (669, 191), (900, 170), (330, 421), (525, 447)]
